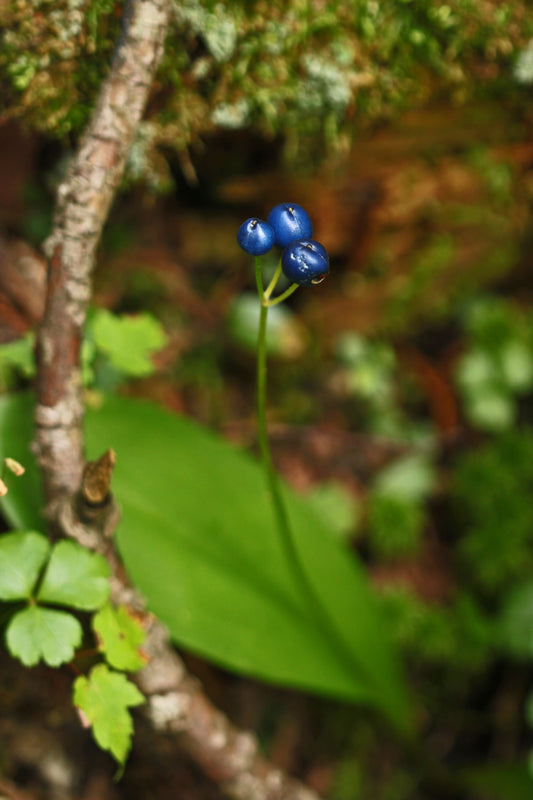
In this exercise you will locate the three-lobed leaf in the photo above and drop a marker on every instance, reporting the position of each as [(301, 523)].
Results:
[(104, 697), (119, 636), (22, 557), (37, 633), (128, 341), (75, 577)]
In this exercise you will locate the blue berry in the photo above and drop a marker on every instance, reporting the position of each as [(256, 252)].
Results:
[(305, 262), (255, 236), (290, 221)]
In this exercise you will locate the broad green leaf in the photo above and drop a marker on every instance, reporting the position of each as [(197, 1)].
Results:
[(104, 697), (22, 557), (199, 539), (23, 502), (128, 341), (41, 633), (119, 637), (75, 577)]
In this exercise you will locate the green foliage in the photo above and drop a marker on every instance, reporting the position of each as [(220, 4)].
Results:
[(16, 358), (104, 697), (497, 366), (22, 557), (127, 341), (396, 513), (37, 633), (395, 525), (516, 622), (72, 577), (119, 637), (491, 497), (115, 346), (198, 566), (285, 334), (300, 70), (369, 373), (337, 507), (459, 636), (500, 781)]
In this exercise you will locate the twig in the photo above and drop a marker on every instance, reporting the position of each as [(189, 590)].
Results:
[(79, 504), (83, 203)]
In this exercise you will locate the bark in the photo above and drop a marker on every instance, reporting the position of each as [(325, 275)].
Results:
[(83, 203), (79, 502)]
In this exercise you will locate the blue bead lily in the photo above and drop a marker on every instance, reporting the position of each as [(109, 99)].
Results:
[(290, 221), (255, 236), (305, 262)]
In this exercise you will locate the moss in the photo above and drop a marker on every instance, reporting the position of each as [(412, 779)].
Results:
[(299, 69)]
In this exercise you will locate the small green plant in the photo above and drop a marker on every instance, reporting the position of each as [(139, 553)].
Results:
[(116, 347), (42, 587), (496, 368), (396, 513)]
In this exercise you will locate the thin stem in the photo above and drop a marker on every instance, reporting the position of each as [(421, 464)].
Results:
[(270, 288), (280, 298), (280, 511)]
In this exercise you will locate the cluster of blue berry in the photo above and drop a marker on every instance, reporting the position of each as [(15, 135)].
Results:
[(304, 261)]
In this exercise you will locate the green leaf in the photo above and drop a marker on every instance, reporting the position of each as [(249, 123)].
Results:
[(104, 697), (24, 500), (41, 633), (411, 477), (286, 336), (337, 505), (493, 411), (516, 622), (75, 577), (119, 637), (19, 356), (128, 341), (199, 540), (22, 557)]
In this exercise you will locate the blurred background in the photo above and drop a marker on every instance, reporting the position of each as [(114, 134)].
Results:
[(399, 390)]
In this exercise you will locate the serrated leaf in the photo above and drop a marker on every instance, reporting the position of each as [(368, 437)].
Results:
[(104, 697), (120, 637), (22, 556), (41, 633), (128, 341), (75, 577)]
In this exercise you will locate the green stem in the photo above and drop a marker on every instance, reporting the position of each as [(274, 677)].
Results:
[(437, 775), (280, 298), (270, 288), (322, 616)]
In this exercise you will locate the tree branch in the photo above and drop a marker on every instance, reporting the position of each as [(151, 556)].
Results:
[(83, 202), (79, 503)]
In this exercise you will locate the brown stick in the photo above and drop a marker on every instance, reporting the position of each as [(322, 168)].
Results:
[(78, 500), (83, 203)]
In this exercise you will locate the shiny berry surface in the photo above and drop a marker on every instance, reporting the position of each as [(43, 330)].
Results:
[(290, 221), (305, 262), (255, 236)]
